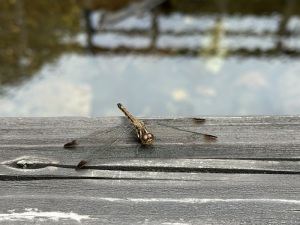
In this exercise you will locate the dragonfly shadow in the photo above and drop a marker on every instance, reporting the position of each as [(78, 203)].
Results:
[(143, 151)]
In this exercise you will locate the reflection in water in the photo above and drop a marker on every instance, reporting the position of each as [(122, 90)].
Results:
[(159, 57), (32, 35)]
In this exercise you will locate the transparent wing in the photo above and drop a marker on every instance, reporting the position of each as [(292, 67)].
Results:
[(188, 128), (97, 143), (170, 131), (207, 137)]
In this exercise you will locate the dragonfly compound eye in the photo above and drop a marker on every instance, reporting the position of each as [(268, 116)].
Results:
[(147, 139), (150, 136)]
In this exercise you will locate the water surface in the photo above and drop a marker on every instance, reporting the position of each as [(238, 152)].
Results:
[(199, 58)]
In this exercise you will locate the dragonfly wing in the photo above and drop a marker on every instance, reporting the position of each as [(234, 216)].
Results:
[(97, 143), (207, 137), (116, 136), (89, 139)]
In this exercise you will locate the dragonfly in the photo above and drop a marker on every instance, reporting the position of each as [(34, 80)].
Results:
[(146, 138)]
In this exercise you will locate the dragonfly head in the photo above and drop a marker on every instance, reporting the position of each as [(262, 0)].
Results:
[(147, 139)]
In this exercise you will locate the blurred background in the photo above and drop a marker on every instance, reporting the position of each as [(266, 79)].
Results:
[(157, 57)]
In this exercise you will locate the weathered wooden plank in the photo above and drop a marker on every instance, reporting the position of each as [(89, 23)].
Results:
[(249, 175), (214, 199), (272, 142), (155, 169)]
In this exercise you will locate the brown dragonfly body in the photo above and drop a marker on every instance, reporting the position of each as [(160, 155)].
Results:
[(142, 132), (140, 128)]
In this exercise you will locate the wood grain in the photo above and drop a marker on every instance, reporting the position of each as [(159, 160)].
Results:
[(249, 175)]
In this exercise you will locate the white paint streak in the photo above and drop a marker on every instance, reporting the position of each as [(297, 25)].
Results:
[(200, 201), (35, 214), (174, 200), (170, 223)]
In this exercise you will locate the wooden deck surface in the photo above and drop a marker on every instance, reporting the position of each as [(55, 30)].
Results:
[(249, 175)]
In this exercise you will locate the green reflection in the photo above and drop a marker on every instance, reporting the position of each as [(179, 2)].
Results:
[(34, 33)]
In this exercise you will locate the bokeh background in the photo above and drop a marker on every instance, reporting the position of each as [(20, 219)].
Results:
[(157, 57)]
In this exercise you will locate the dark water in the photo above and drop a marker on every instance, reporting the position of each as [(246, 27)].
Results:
[(185, 58)]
